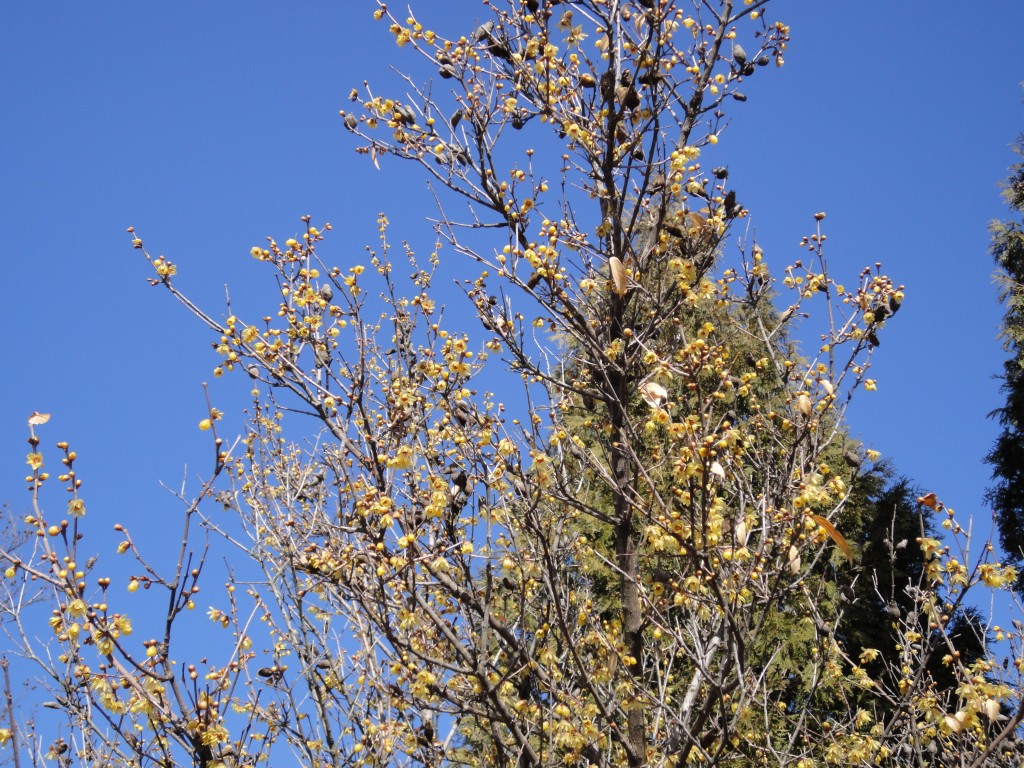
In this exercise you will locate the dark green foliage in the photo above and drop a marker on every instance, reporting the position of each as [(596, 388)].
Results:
[(1006, 495), (891, 570)]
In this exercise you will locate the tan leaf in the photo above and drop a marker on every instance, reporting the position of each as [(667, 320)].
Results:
[(741, 533), (803, 403), (835, 535), (930, 500), (794, 560), (827, 386), (716, 469), (654, 394), (619, 281), (991, 709), (38, 418), (955, 723)]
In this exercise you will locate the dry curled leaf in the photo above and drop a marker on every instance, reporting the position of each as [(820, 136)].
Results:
[(619, 281), (803, 403), (955, 723), (930, 500), (741, 533), (991, 709), (794, 560), (654, 394), (835, 535)]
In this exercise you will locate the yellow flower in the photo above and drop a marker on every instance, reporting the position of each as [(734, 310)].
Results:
[(870, 385), (76, 508), (403, 458), (868, 655), (123, 625), (35, 460), (5, 736)]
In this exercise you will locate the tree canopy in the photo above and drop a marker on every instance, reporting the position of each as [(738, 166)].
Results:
[(608, 515), (1007, 455)]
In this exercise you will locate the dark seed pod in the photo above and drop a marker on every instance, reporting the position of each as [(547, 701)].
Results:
[(499, 50), (747, 70), (721, 172), (351, 122), (873, 339), (454, 121), (853, 459), (894, 304), (738, 96), (627, 96), (326, 292), (404, 114), (587, 80), (650, 77), (482, 32), (764, 61), (461, 413), (738, 54), (447, 71), (674, 230)]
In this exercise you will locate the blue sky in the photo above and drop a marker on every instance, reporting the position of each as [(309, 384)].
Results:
[(208, 126)]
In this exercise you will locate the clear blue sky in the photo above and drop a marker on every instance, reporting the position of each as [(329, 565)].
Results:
[(208, 126)]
